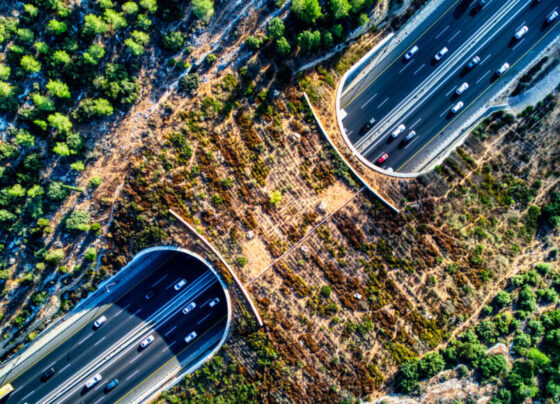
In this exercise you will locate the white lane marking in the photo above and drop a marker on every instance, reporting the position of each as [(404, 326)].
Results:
[(14, 392), (485, 59), (349, 133), (23, 398), (415, 123), (162, 278), (405, 66), (65, 367), (134, 359), (135, 313), (443, 113), (83, 339), (169, 346), (441, 32), (203, 318), (133, 374), (450, 91), (482, 77), (98, 386), (417, 70), (518, 43), (98, 401), (170, 331), (51, 365), (453, 37), (173, 283), (99, 341), (123, 309), (409, 143), (522, 24), (383, 102), (367, 102)]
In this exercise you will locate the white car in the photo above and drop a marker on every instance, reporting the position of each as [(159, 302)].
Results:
[(411, 135), (100, 321), (552, 16), (521, 32), (187, 309), (179, 285), (190, 337), (462, 88), (147, 341), (400, 129), (408, 55), (214, 302), (455, 108), (503, 68), (92, 381), (438, 56)]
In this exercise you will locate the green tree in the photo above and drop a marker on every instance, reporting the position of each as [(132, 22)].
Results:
[(61, 149), (6, 216), (407, 377), (78, 220), (60, 122), (61, 58), (283, 46), (42, 48), (94, 54), (105, 3), (133, 47), (149, 5), (55, 27), (90, 108), (143, 22), (94, 182), (340, 8), (29, 64), (502, 299), (57, 88), (363, 19), (56, 191), (4, 72), (308, 40), (189, 83), (42, 102), (94, 25), (91, 254), (31, 11), (253, 42), (276, 28), (25, 35), (173, 41), (114, 19), (24, 138), (357, 5), (55, 257), (275, 197), (77, 165), (430, 365), (203, 9), (495, 365), (130, 8), (308, 11)]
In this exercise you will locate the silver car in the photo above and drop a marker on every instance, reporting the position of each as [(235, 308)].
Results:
[(408, 55), (190, 337), (92, 381)]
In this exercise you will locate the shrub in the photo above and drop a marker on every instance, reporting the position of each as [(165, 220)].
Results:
[(308, 11), (94, 182), (91, 254), (189, 83), (203, 9), (55, 257), (78, 220), (275, 197), (173, 41), (276, 28)]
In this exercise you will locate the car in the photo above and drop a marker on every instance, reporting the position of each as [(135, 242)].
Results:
[(382, 158), (503, 68), (214, 302), (473, 62), (47, 374), (455, 108), (189, 308), (479, 6), (92, 381), (190, 337), (411, 135), (147, 341), (552, 16), (462, 88), (369, 124), (520, 33), (150, 294), (179, 285), (110, 386), (400, 129), (99, 322), (408, 55), (438, 56)]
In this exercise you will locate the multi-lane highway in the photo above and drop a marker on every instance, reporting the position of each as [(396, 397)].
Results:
[(113, 349), (419, 93)]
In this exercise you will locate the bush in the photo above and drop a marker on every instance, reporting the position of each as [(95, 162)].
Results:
[(283, 46), (308, 11), (173, 41), (276, 28), (91, 254), (55, 257), (90, 108), (275, 198), (189, 83), (78, 220), (203, 9), (94, 182)]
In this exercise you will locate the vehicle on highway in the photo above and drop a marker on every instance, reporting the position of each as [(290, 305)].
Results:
[(110, 386), (179, 285), (408, 55), (503, 68), (99, 322), (411, 135), (400, 129), (438, 56), (382, 158), (147, 341), (150, 295), (47, 374), (369, 124), (552, 16), (5, 390), (455, 108), (479, 6), (92, 381), (190, 337), (473, 62), (214, 302), (521, 32), (189, 308), (462, 88)]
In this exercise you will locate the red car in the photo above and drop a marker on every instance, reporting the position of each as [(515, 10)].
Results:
[(382, 158)]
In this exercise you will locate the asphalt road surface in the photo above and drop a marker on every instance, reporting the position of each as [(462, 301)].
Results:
[(420, 93), (114, 348)]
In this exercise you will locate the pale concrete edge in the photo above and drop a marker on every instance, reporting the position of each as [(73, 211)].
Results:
[(219, 256), (386, 202), (167, 382)]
